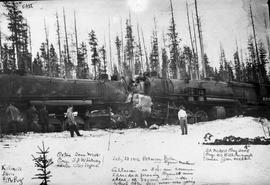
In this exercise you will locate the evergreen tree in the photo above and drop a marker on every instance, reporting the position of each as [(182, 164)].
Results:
[(37, 65), (187, 52), (229, 71), (216, 75), (94, 57), (118, 49), (82, 70), (221, 76), (102, 67), (208, 68), (225, 70), (4, 57), (129, 50), (252, 63), (147, 64), (180, 64), (137, 57), (42, 162), (263, 62), (243, 77), (115, 72), (139, 51), (174, 53), (55, 68), (8, 62), (25, 54), (237, 66), (126, 69), (18, 36), (154, 55), (249, 71), (62, 65), (165, 62), (44, 55), (68, 65)]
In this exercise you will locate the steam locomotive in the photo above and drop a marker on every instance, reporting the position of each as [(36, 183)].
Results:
[(204, 99), (57, 93), (207, 99)]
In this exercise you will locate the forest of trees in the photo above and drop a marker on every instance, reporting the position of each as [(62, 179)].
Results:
[(167, 57)]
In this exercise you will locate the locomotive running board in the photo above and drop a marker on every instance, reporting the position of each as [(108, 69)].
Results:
[(61, 102), (221, 100)]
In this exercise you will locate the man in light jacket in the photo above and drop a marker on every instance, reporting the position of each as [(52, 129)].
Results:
[(13, 116), (71, 122), (182, 116)]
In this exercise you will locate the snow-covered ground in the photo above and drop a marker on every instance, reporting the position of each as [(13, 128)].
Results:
[(142, 156)]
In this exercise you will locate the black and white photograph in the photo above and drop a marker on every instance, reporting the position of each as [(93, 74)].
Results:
[(135, 92)]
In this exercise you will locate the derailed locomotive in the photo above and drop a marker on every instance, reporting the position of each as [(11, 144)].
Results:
[(56, 93), (204, 100)]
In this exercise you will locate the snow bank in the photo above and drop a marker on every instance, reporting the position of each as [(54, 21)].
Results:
[(237, 126), (143, 156)]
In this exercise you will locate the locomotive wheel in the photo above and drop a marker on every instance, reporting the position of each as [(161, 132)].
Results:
[(131, 124), (191, 119), (126, 112), (173, 121), (201, 116), (80, 122), (64, 125), (54, 125)]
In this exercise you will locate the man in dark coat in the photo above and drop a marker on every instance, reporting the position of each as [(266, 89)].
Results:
[(32, 118), (44, 119)]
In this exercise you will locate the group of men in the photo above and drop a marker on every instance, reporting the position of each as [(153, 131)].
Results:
[(34, 117)]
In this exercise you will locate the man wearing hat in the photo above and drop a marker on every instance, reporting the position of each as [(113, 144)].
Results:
[(182, 116), (71, 122)]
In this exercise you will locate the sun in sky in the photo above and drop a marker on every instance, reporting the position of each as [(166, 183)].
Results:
[(137, 5)]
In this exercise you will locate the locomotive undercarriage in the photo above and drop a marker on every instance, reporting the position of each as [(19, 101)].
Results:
[(100, 115), (165, 110)]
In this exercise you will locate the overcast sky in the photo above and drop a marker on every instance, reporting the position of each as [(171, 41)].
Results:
[(223, 21)]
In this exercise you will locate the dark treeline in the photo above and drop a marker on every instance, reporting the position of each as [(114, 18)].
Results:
[(166, 57)]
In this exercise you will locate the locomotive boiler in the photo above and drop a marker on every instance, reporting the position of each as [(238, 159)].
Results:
[(60, 91)]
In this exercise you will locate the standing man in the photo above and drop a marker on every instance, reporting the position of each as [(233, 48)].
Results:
[(88, 118), (44, 119), (32, 118), (182, 116), (13, 114), (71, 122)]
